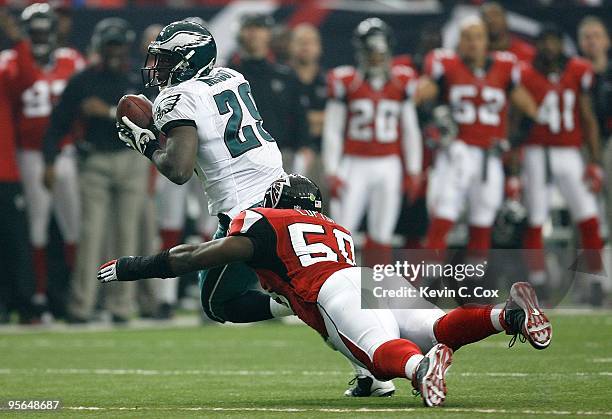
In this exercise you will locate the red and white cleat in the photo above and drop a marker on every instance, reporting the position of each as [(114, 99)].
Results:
[(430, 376), (523, 315)]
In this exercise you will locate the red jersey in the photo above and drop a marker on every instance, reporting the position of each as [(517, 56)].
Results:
[(295, 252), (557, 97), (478, 99), (373, 119), (34, 104), (523, 50), (9, 79)]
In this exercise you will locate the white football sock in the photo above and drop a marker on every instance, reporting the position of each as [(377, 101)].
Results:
[(412, 364), (495, 313)]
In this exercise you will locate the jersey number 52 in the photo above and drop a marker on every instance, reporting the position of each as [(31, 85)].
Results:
[(241, 137)]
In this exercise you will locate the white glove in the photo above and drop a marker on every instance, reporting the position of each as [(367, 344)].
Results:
[(108, 272), (140, 139)]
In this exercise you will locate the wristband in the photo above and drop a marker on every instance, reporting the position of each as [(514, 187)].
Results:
[(151, 147), (131, 268)]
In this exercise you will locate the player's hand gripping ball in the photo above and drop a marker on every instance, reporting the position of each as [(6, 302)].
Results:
[(134, 123)]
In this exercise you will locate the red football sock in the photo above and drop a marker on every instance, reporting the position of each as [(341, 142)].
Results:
[(591, 243), (170, 238), (533, 246), (413, 243), (436, 234), (466, 324), (39, 258), (480, 238), (70, 254), (389, 360), (376, 253)]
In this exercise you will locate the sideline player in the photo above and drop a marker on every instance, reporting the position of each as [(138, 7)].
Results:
[(478, 87), (308, 260), (53, 66), (371, 139), (561, 86)]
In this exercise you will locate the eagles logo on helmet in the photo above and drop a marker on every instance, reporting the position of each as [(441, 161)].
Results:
[(182, 50)]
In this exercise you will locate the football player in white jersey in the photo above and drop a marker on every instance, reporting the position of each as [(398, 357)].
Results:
[(214, 129)]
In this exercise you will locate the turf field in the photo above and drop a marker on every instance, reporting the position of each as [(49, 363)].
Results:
[(275, 370)]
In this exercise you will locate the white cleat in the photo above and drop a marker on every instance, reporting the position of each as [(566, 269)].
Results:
[(523, 315), (430, 376)]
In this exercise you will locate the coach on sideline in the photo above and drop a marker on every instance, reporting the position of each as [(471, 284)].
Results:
[(113, 180)]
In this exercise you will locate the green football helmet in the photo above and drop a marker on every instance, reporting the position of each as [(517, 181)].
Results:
[(182, 50)]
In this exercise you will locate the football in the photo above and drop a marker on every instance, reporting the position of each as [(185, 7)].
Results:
[(137, 108)]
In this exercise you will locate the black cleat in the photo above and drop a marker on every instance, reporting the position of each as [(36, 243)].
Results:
[(368, 387)]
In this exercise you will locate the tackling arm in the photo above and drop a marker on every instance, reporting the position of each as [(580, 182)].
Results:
[(179, 260), (177, 160)]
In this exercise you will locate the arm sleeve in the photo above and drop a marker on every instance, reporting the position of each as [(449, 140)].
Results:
[(333, 133), (173, 109), (62, 117), (412, 141), (255, 227), (26, 67)]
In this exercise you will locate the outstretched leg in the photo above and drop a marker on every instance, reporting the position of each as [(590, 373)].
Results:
[(371, 338)]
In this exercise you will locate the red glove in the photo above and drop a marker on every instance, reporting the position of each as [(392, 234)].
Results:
[(335, 186), (413, 185), (594, 177), (513, 188)]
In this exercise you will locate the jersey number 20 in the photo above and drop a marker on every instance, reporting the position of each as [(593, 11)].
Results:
[(238, 144)]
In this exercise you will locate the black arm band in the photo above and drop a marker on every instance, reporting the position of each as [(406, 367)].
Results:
[(131, 268), (152, 146)]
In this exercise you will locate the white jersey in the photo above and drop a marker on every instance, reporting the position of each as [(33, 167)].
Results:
[(237, 159)]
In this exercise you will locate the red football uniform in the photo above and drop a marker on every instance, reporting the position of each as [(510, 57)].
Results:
[(523, 50), (373, 125), (295, 252), (35, 103), (478, 99), (556, 95), (18, 76)]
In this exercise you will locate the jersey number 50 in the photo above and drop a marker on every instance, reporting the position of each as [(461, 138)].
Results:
[(311, 253), (238, 144)]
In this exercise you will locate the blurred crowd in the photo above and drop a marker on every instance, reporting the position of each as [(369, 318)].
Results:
[(60, 162)]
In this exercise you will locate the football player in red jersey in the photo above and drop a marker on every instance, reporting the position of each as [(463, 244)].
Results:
[(371, 140), (54, 66), (308, 261), (500, 39), (478, 88), (561, 86)]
